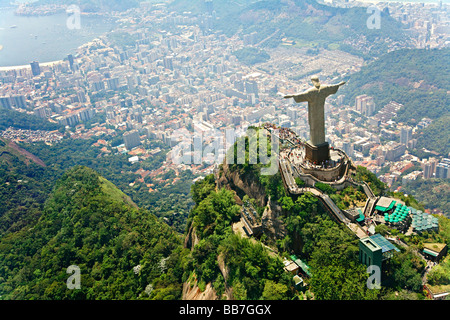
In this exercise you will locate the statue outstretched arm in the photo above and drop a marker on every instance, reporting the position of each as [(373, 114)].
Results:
[(301, 97), (331, 89)]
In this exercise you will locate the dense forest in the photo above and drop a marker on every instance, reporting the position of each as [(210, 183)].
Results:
[(23, 189), (432, 193), (169, 200), (89, 223), (252, 272), (21, 120), (251, 56), (436, 136)]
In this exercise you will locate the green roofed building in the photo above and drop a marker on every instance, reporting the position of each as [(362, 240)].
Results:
[(375, 249), (422, 221), (370, 253), (303, 266), (361, 216), (385, 204), (434, 251)]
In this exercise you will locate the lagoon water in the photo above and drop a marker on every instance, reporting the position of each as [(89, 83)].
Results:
[(46, 38)]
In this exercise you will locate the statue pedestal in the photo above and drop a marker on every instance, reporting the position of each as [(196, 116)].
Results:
[(317, 154)]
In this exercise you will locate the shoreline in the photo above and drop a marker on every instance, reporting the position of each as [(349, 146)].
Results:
[(27, 66), (21, 65)]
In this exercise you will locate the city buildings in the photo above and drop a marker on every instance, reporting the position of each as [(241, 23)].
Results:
[(35, 69), (405, 135), (131, 139), (365, 105), (443, 169), (188, 79)]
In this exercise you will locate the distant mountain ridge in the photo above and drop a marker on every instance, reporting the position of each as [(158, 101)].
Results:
[(306, 22)]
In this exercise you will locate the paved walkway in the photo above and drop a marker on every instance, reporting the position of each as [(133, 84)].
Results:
[(292, 187), (288, 178)]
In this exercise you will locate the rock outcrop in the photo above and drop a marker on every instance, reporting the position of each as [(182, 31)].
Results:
[(249, 184), (194, 293), (241, 184)]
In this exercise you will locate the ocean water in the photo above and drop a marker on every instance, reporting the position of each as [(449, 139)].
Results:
[(45, 38)]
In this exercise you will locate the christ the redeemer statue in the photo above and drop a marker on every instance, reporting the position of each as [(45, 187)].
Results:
[(316, 101)]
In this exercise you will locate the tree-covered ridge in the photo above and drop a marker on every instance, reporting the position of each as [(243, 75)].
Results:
[(303, 21), (170, 200), (432, 193), (417, 78), (87, 222), (362, 174), (21, 120), (436, 136), (24, 188)]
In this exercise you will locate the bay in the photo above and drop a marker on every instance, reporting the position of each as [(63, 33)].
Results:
[(45, 38)]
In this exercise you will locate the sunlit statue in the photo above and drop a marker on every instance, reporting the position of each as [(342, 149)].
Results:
[(316, 96), (316, 101)]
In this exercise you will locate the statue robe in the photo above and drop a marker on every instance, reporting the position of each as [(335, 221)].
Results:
[(316, 113)]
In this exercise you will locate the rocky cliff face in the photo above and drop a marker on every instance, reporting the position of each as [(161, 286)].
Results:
[(191, 238), (241, 184), (272, 225), (249, 184)]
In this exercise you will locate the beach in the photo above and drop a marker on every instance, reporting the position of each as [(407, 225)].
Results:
[(44, 64)]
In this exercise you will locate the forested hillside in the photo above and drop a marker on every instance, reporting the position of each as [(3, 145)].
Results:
[(418, 79), (24, 186), (89, 223), (432, 193), (252, 272), (436, 136), (306, 22), (21, 120), (169, 200)]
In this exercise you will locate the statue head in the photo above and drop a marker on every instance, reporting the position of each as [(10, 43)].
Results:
[(315, 81)]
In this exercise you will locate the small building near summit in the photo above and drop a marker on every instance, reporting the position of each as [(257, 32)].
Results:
[(375, 249), (434, 251)]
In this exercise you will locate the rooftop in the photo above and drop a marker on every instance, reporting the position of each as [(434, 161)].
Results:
[(386, 246), (436, 247), (369, 243), (385, 204)]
